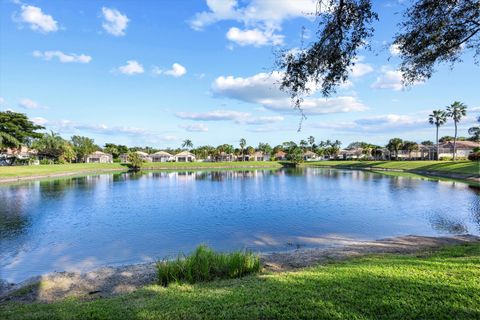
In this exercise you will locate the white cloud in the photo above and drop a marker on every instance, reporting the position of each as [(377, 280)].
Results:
[(255, 37), (381, 123), (360, 68), (62, 57), (40, 121), (264, 89), (30, 104), (394, 50), (260, 18), (177, 70), (195, 127), (132, 67), (269, 13), (229, 115), (389, 79), (37, 20), (115, 22), (138, 134)]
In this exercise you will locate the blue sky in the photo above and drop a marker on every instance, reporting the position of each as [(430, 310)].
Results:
[(157, 72)]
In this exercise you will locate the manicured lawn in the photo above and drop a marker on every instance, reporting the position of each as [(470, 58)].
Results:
[(441, 285), (465, 167), (46, 170)]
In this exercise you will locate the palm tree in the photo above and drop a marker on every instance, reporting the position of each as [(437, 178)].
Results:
[(303, 144), (456, 111), (410, 146), (394, 146), (187, 143), (475, 131), (438, 118), (243, 143), (311, 141)]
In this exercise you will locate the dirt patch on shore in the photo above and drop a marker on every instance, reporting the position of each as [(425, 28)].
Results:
[(111, 281)]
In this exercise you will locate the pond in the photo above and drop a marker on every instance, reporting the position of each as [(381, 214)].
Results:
[(80, 223)]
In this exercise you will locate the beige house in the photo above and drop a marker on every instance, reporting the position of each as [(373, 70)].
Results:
[(223, 156), (310, 156), (464, 148), (145, 156), (280, 156), (184, 156), (259, 156), (99, 157), (23, 154), (162, 156)]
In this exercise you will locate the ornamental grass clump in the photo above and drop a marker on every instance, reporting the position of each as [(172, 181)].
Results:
[(204, 264)]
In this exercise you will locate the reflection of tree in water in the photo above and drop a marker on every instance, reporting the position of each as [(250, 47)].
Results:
[(443, 224), (13, 219), (57, 188), (475, 207)]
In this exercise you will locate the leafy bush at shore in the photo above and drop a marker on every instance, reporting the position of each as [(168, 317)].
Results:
[(204, 264), (474, 156)]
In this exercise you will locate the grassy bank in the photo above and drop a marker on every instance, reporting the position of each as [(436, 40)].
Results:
[(23, 172), (445, 285), (460, 167), (75, 168)]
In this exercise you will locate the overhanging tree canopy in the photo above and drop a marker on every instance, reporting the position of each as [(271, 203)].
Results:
[(431, 32)]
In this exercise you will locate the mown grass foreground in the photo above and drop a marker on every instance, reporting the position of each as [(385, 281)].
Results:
[(441, 285), (205, 264)]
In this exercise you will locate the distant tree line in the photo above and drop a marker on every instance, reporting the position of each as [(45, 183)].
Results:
[(16, 130)]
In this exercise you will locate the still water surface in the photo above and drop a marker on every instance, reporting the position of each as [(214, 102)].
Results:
[(80, 223)]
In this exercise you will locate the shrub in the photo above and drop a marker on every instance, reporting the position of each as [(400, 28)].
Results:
[(459, 158), (204, 264), (475, 156), (46, 161)]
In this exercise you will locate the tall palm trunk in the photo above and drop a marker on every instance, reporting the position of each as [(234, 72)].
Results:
[(438, 147), (455, 142)]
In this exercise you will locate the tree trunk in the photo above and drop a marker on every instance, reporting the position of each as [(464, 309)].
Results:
[(455, 142), (438, 148)]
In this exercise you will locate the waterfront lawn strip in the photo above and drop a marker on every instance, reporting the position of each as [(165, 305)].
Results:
[(439, 285), (73, 168), (462, 167)]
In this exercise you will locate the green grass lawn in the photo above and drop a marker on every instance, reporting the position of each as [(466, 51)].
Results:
[(46, 170), (441, 285), (464, 167)]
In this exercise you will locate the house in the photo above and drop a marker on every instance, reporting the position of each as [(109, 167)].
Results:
[(162, 156), (99, 157), (350, 154), (184, 156), (280, 156), (259, 156), (145, 156), (463, 149), (22, 155), (310, 156), (223, 156)]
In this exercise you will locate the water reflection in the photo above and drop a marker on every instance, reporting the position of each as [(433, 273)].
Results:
[(82, 222)]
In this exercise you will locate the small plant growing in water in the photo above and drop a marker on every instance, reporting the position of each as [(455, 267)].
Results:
[(205, 264)]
